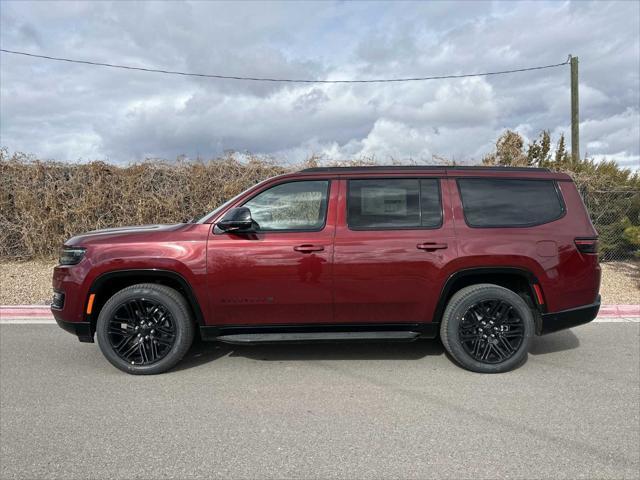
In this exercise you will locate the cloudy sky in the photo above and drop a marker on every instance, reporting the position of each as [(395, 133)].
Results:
[(75, 112)]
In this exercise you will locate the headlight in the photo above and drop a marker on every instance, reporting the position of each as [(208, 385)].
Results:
[(71, 255)]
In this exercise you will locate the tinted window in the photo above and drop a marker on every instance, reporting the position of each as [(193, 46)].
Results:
[(430, 203), (509, 203), (291, 206), (401, 203)]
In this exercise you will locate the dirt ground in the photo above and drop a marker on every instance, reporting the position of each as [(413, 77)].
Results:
[(30, 282), (26, 283), (620, 283)]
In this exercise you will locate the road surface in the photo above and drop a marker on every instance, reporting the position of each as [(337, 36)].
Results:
[(321, 411)]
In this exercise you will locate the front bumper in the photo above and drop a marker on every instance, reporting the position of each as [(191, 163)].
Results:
[(81, 329), (552, 322)]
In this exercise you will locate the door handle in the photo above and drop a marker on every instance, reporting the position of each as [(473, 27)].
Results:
[(431, 246), (308, 248)]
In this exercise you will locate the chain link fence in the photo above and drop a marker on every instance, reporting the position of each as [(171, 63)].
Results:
[(615, 214)]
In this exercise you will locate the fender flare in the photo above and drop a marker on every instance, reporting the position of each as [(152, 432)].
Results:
[(104, 278), (466, 272)]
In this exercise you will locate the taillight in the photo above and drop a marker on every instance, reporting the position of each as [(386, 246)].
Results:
[(587, 245)]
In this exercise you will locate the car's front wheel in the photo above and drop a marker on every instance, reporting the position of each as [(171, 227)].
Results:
[(145, 329), (487, 328)]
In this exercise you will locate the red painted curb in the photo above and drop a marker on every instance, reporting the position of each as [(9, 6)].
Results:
[(43, 311), (619, 311), (35, 311)]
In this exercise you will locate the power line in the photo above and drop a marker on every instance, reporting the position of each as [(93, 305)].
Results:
[(286, 80)]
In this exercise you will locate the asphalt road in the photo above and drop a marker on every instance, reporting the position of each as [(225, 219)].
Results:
[(321, 411)]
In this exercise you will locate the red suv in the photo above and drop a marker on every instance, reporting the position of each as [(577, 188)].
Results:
[(482, 257)]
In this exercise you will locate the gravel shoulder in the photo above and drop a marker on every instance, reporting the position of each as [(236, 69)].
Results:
[(26, 283), (620, 283), (30, 282)]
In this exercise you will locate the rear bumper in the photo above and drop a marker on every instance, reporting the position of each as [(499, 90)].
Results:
[(552, 322), (80, 329)]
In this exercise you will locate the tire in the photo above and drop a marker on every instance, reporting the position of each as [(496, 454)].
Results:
[(499, 344), (149, 322)]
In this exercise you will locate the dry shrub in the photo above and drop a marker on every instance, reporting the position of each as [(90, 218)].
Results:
[(43, 203)]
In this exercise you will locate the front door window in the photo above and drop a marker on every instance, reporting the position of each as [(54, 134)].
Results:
[(293, 206)]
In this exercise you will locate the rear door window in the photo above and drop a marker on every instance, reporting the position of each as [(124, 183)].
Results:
[(375, 204), (494, 202)]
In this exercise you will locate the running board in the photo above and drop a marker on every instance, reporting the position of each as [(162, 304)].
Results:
[(303, 337)]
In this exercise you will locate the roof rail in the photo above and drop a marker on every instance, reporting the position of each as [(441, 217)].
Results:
[(422, 167)]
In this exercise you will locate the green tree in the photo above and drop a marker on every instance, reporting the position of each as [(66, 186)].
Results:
[(561, 156), (539, 151)]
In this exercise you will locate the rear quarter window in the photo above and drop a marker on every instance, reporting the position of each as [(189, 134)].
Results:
[(493, 202)]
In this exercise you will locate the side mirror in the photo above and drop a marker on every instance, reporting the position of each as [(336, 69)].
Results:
[(236, 220)]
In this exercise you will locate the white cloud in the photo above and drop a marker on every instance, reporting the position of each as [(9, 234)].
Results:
[(69, 112)]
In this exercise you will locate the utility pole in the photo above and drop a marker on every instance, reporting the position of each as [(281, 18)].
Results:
[(575, 117)]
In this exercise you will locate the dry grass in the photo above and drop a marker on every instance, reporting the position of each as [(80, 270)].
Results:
[(42, 204), (30, 282)]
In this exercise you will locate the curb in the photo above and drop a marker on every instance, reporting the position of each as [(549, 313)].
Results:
[(10, 312), (609, 311)]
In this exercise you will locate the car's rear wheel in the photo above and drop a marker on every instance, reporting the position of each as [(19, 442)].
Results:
[(145, 329), (487, 328)]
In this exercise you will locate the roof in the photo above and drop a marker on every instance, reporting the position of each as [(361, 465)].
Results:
[(411, 168), (455, 171)]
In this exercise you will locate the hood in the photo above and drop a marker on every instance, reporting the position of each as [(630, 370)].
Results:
[(109, 235)]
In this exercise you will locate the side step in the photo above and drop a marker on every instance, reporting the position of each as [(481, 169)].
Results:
[(303, 337)]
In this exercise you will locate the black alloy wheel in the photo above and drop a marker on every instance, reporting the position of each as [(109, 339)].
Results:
[(145, 328), (491, 331), (142, 331), (487, 328)]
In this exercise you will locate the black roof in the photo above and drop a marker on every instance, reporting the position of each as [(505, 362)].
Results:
[(422, 167)]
